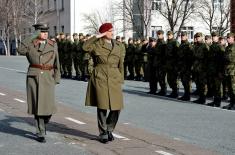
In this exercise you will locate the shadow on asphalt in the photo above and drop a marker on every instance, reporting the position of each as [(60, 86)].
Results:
[(6, 127)]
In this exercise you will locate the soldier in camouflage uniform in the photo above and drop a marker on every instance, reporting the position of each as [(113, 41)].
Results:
[(87, 62), (151, 49), (215, 69), (77, 54), (68, 57), (222, 42), (172, 47), (61, 50), (229, 61), (200, 68), (160, 62), (145, 58), (138, 60), (185, 62), (129, 59), (210, 85)]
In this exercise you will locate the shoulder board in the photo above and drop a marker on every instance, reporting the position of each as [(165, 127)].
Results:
[(36, 42), (51, 42)]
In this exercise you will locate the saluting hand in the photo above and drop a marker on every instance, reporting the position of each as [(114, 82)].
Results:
[(101, 35)]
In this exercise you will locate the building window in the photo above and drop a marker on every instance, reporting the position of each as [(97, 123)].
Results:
[(154, 30), (55, 4), (62, 28), (55, 30), (62, 4), (156, 4), (218, 4), (189, 30), (48, 4)]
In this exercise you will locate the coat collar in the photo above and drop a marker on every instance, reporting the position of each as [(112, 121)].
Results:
[(48, 47)]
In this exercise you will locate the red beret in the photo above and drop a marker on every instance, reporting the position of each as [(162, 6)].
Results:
[(105, 27)]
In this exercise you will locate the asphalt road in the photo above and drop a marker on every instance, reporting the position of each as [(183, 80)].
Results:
[(206, 127)]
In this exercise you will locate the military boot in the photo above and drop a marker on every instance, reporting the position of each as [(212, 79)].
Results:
[(229, 107), (196, 92), (215, 103), (200, 100), (174, 94), (185, 97), (161, 93)]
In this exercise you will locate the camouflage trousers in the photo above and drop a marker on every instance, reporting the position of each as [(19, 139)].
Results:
[(231, 87), (185, 77), (200, 81), (77, 66)]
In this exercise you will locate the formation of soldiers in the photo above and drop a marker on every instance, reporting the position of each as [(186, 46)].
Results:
[(72, 56), (208, 62)]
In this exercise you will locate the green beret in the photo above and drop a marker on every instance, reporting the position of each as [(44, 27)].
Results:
[(88, 35), (170, 32), (160, 32), (214, 34), (61, 33), (123, 38), (184, 33), (207, 37), (151, 39), (221, 38), (230, 34), (75, 34), (80, 34), (118, 37), (198, 34), (67, 34)]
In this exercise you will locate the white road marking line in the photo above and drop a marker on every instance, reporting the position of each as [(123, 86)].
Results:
[(2, 94), (19, 100), (10, 69), (163, 153), (177, 139), (1, 110), (120, 137), (75, 121)]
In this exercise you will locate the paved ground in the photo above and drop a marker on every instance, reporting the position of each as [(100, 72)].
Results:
[(148, 124)]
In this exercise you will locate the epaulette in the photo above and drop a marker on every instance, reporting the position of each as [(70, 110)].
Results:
[(36, 42), (51, 42)]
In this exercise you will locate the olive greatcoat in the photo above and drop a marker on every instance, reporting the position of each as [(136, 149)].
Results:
[(40, 84), (104, 87)]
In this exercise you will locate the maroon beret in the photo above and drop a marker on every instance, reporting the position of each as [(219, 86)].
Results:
[(105, 27)]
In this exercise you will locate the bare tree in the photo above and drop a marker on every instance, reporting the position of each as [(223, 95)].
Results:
[(136, 16), (215, 16), (176, 12), (92, 21)]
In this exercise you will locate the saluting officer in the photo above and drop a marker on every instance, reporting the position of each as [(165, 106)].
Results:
[(104, 88), (43, 74)]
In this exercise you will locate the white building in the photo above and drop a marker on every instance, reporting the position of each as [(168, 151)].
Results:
[(69, 17), (192, 25)]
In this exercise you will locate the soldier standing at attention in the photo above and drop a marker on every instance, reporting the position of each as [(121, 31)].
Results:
[(61, 49), (229, 60), (210, 86), (151, 50), (138, 60), (104, 87), (129, 59), (200, 68), (222, 42), (215, 69), (68, 56), (172, 47), (77, 56), (145, 58), (160, 62), (43, 74), (185, 65)]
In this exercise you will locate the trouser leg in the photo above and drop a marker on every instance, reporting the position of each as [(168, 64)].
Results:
[(112, 120), (40, 126)]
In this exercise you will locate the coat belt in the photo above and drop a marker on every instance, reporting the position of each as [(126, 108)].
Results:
[(109, 65), (42, 67)]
